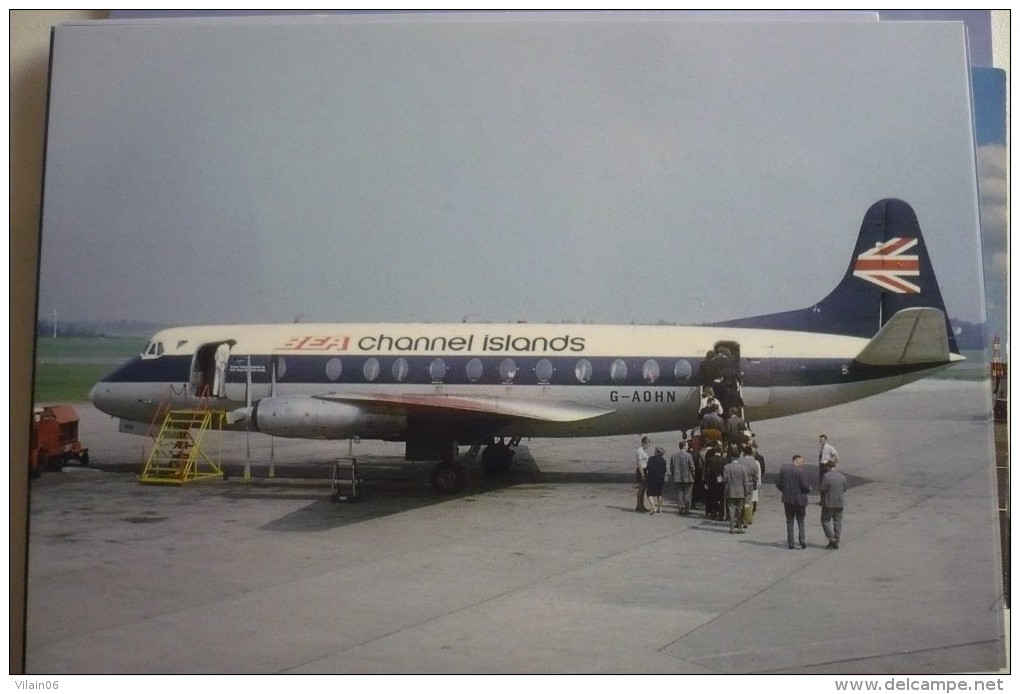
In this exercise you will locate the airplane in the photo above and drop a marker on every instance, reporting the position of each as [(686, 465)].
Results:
[(436, 386)]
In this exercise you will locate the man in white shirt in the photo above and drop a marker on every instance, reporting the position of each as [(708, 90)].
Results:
[(826, 454), (641, 459), (220, 382)]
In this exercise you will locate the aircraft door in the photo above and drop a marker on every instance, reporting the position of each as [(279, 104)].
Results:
[(209, 369), (249, 377), (728, 371), (756, 385)]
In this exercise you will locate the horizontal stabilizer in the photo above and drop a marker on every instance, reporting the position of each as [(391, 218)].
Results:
[(477, 405), (912, 336)]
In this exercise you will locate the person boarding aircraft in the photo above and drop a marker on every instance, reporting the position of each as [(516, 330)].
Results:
[(437, 386)]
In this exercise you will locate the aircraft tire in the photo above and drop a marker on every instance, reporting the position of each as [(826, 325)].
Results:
[(496, 458), (448, 478)]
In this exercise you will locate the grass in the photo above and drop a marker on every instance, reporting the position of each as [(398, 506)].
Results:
[(67, 382), (66, 368), (89, 347)]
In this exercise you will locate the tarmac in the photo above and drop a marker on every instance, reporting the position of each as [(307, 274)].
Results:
[(546, 570)]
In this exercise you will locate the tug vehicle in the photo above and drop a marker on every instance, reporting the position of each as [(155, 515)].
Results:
[(54, 439)]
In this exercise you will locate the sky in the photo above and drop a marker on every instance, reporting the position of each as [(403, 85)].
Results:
[(353, 169), (993, 161)]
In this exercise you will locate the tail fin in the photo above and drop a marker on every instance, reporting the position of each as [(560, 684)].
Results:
[(889, 271)]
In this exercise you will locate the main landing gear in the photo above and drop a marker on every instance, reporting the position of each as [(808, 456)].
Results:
[(449, 475), (498, 455)]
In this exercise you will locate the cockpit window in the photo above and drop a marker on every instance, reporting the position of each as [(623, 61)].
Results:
[(152, 350)]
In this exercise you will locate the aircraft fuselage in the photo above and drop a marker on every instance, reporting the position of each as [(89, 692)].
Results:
[(635, 378)]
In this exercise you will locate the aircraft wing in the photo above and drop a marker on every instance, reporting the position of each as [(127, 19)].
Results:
[(478, 405), (912, 336)]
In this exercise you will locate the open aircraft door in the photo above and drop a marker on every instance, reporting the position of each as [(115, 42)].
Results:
[(204, 367), (759, 373), (752, 376), (252, 377)]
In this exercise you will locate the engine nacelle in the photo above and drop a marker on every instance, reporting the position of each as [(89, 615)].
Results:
[(312, 418)]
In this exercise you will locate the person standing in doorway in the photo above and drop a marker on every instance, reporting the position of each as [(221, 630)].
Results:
[(220, 382)]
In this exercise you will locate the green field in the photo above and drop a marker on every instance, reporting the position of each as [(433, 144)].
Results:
[(89, 347), (66, 382), (66, 368)]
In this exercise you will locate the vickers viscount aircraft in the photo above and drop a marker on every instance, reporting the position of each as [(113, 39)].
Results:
[(434, 386)]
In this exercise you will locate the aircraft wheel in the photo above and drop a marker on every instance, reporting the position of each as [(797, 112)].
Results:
[(496, 458), (84, 458), (448, 478)]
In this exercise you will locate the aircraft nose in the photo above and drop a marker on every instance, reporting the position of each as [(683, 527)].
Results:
[(99, 396)]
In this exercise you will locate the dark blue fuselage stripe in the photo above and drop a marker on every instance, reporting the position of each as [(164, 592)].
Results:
[(309, 369), (163, 369)]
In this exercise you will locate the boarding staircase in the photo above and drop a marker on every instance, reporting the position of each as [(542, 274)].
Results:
[(707, 393), (178, 455)]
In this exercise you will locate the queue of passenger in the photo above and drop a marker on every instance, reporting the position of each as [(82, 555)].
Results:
[(720, 372), (700, 478), (723, 474), (724, 470)]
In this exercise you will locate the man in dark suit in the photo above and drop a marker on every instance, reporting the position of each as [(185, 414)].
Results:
[(795, 484), (833, 489), (681, 464), (739, 486)]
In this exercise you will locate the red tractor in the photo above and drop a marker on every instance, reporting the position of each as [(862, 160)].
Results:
[(54, 439)]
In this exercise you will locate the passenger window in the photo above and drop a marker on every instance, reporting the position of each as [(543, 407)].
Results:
[(400, 369), (618, 371), (507, 370), (582, 370), (437, 369), (475, 369), (334, 368), (544, 370), (650, 371), (682, 371), (371, 369)]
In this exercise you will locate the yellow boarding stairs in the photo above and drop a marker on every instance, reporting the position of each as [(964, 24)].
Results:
[(177, 456)]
